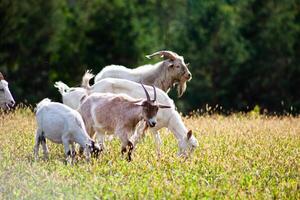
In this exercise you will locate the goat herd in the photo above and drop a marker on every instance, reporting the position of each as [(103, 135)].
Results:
[(115, 104)]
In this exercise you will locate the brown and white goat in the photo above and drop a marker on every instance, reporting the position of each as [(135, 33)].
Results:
[(107, 113)]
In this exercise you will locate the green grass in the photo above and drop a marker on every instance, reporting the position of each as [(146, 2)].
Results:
[(239, 156)]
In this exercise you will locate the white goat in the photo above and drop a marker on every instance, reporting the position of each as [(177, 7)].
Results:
[(118, 114), (163, 74), (6, 99), (168, 118), (61, 124)]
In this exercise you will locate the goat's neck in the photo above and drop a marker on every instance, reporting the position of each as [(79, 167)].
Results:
[(82, 139), (133, 115), (164, 82), (2, 100)]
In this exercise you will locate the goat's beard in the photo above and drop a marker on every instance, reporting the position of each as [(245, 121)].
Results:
[(181, 87)]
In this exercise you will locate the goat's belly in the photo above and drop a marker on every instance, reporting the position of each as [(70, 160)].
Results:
[(55, 137), (103, 129)]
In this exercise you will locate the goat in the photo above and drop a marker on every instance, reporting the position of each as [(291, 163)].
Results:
[(163, 74), (118, 114), (168, 118), (77, 94), (6, 99), (61, 124)]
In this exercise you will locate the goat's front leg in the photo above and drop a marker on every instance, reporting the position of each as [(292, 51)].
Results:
[(68, 152), (139, 132), (130, 147), (100, 138), (125, 143), (158, 142), (73, 151)]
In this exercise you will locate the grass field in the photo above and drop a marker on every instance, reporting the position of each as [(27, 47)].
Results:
[(239, 156)]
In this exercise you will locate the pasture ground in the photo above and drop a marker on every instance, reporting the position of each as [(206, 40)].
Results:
[(240, 156)]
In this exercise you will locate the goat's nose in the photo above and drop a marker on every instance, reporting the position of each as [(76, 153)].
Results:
[(12, 102), (152, 124)]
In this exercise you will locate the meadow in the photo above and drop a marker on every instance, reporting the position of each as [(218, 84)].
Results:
[(239, 157)]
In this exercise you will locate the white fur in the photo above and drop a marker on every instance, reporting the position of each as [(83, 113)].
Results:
[(60, 124), (6, 99)]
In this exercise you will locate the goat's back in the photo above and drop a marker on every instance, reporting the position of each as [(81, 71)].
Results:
[(115, 71), (130, 88), (53, 117), (108, 111)]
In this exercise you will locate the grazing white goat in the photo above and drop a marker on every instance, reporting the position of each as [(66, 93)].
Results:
[(168, 118), (163, 75), (61, 124), (118, 114), (6, 99)]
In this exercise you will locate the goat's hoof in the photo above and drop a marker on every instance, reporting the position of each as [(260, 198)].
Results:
[(129, 158), (130, 145), (123, 150), (81, 150), (46, 158)]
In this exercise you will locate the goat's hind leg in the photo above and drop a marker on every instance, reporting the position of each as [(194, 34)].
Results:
[(37, 144), (44, 145)]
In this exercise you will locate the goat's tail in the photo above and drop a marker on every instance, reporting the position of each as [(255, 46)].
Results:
[(42, 103), (86, 79), (62, 87)]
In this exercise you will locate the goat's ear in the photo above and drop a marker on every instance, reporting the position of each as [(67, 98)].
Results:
[(189, 134), (163, 106)]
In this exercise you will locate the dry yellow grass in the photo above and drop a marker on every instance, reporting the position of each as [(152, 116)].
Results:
[(240, 156)]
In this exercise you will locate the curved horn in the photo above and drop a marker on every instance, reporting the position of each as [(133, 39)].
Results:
[(1, 76), (154, 91), (147, 94), (166, 54)]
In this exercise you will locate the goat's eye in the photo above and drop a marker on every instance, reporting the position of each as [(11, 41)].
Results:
[(1, 89)]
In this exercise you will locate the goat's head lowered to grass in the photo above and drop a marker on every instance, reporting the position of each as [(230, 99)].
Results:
[(177, 68), (6, 99), (150, 108)]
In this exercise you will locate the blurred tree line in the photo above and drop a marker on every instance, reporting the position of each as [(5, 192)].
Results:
[(242, 53)]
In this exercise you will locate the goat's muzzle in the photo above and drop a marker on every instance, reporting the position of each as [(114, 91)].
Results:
[(151, 123), (188, 76)]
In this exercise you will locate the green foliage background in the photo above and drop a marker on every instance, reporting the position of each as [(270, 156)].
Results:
[(242, 53)]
